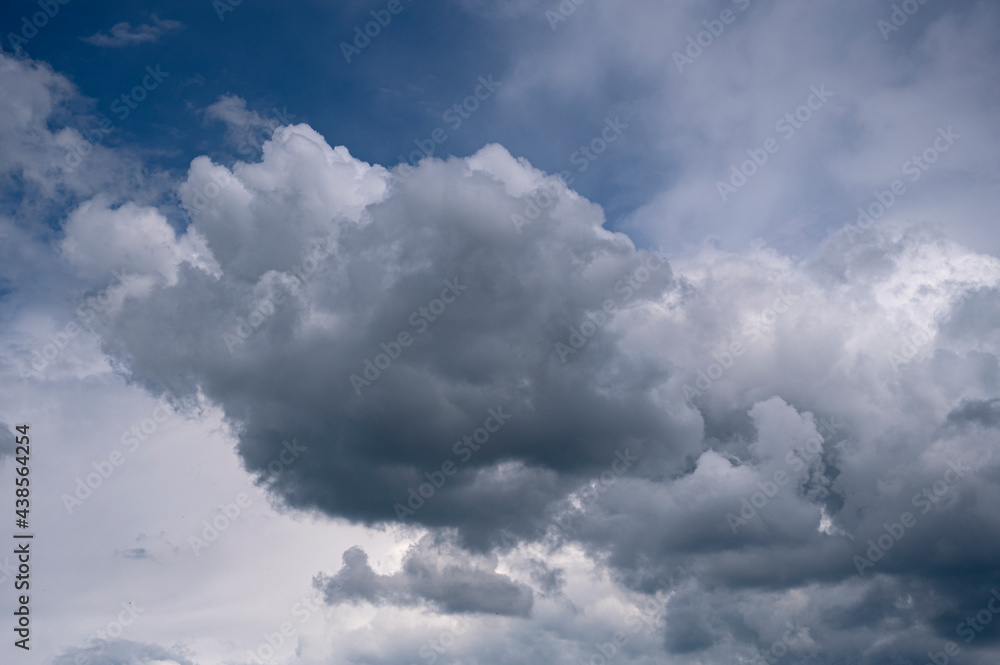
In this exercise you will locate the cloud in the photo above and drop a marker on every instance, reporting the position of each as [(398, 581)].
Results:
[(100, 239), (122, 652), (392, 247), (434, 572), (718, 373), (980, 411), (7, 440), (245, 129), (123, 34)]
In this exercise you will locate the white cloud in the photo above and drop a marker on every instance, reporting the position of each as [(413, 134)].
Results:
[(124, 34)]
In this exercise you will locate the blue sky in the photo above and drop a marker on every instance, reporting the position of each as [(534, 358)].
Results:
[(682, 346), (427, 59)]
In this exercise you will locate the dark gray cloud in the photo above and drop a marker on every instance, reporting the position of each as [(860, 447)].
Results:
[(779, 419), (985, 412), (489, 360), (433, 572)]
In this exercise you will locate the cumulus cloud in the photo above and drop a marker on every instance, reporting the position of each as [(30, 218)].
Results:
[(816, 400), (436, 572), (124, 34), (100, 239)]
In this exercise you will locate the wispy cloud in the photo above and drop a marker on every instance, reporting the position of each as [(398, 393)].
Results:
[(124, 34)]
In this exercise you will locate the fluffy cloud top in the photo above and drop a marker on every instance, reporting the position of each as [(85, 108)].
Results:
[(447, 361)]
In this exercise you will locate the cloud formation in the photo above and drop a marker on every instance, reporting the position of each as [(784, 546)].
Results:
[(436, 572), (124, 34), (783, 412)]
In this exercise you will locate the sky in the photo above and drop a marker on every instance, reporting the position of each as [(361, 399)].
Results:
[(571, 332)]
